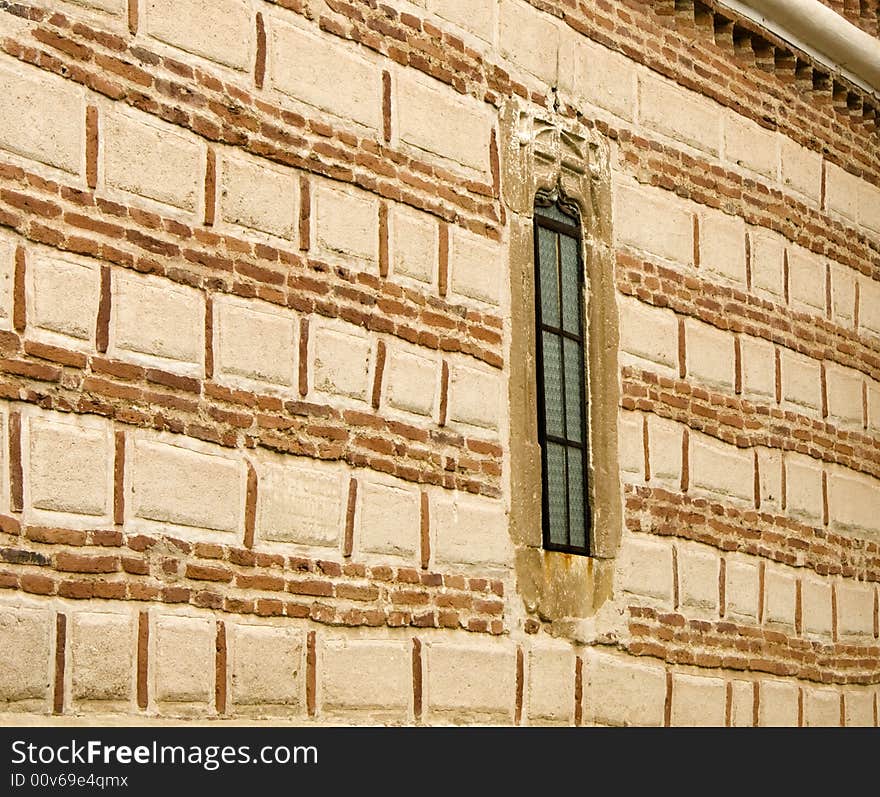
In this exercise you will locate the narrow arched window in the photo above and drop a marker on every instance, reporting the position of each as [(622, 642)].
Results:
[(563, 428)]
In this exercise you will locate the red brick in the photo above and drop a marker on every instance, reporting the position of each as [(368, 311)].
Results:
[(80, 563), (37, 584), (206, 573), (310, 587)]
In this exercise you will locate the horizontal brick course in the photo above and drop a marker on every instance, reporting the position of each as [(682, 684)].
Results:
[(738, 646), (256, 273)]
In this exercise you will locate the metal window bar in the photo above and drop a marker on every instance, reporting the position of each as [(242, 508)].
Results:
[(559, 227)]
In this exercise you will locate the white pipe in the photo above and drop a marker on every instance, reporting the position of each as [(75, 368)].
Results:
[(820, 32)]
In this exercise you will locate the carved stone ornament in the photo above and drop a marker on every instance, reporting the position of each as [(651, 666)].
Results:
[(546, 151)]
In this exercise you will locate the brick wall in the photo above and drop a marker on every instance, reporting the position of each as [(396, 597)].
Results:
[(255, 366)]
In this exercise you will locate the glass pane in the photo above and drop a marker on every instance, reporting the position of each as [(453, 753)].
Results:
[(573, 390), (552, 383), (556, 493), (554, 212), (571, 304), (577, 524), (549, 277)]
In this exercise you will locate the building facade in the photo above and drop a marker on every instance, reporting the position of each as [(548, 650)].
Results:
[(440, 361)]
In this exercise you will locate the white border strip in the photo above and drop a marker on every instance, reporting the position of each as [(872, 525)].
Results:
[(821, 33)]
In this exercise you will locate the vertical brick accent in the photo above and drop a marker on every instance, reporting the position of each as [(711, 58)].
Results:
[(757, 481), (443, 259), (417, 678), (728, 704), (377, 375), (737, 365), (209, 336), (210, 187), (748, 261), (348, 543), (386, 105), (667, 706), (864, 405), (682, 350), (685, 461), (800, 708), (133, 17), (92, 146), (696, 241), (857, 303), (756, 703), (785, 276), (143, 657), (824, 498), (876, 613), (304, 357), (250, 506), (722, 586), (676, 598), (220, 672), (102, 329), (778, 376), (828, 290), (383, 239), (311, 674), (824, 380), (19, 295), (578, 691), (646, 447), (842, 710), (16, 477), (305, 214), (520, 677), (60, 653), (761, 578), (119, 480), (260, 62), (494, 164), (444, 392), (425, 522), (822, 183), (875, 709), (798, 608)]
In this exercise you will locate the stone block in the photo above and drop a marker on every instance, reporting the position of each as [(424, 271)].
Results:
[(469, 530), (267, 668), (62, 300), (157, 323), (219, 30), (299, 63), (67, 461), (172, 479), (301, 501), (102, 647), (622, 690), (258, 196), (152, 159), (42, 117), (254, 342), (366, 676), (389, 521), (470, 683)]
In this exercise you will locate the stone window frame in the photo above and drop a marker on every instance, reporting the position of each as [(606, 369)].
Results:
[(565, 226), (543, 151)]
